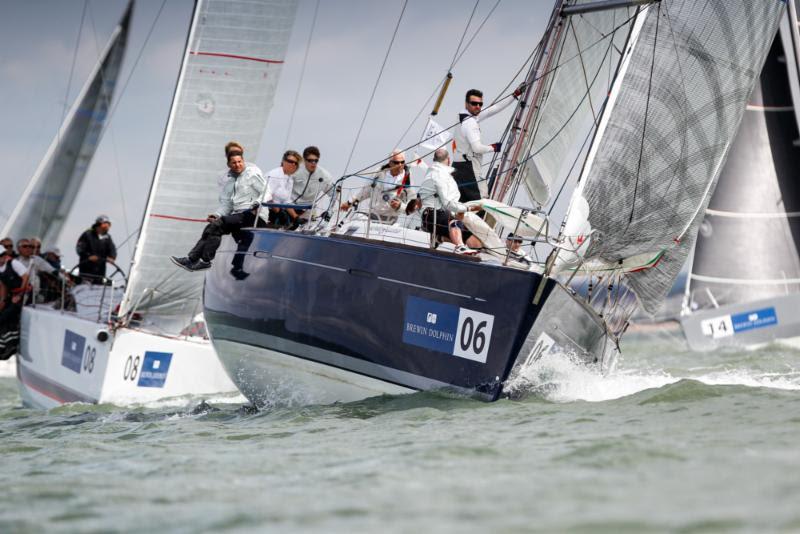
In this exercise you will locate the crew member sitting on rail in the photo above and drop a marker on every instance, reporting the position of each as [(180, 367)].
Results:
[(442, 213), (279, 191), (240, 193), (311, 182), (387, 190), (95, 247)]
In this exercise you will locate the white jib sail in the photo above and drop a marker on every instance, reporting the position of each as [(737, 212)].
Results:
[(48, 198), (225, 91)]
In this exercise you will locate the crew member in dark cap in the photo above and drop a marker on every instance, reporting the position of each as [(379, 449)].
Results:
[(95, 247)]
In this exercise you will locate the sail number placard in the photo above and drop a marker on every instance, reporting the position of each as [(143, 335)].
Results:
[(449, 329), (728, 325)]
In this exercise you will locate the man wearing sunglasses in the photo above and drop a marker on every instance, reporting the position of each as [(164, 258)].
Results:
[(311, 181), (279, 191), (239, 197), (386, 190), (7, 245), (468, 155)]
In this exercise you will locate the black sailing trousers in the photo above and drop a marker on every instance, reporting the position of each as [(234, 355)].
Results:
[(208, 244), (464, 176)]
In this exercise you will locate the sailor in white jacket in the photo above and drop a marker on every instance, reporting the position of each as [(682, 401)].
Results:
[(279, 190), (468, 156), (440, 192), (240, 194), (442, 212), (386, 191)]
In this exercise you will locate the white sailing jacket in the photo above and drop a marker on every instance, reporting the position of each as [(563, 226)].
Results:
[(439, 190), (279, 187), (469, 146), (307, 188), (241, 192), (387, 187)]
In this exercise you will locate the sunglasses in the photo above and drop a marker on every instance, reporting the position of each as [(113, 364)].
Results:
[(26, 246), (311, 160), (292, 161), (393, 162), (475, 103), (8, 245)]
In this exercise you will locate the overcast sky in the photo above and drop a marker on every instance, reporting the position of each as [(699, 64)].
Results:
[(39, 39)]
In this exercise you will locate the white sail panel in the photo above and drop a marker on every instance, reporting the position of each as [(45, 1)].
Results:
[(225, 91), (46, 201), (583, 64), (679, 105)]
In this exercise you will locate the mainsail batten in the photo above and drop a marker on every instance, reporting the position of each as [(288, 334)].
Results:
[(677, 112), (48, 198), (225, 91)]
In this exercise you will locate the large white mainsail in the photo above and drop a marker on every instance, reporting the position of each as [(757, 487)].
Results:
[(225, 91), (46, 201), (666, 131)]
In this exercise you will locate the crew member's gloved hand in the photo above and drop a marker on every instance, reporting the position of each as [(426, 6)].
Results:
[(496, 146)]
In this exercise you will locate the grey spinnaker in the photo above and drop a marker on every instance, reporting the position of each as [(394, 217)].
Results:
[(662, 143), (48, 198), (225, 92)]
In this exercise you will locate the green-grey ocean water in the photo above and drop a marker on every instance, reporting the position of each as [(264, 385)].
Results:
[(673, 441)]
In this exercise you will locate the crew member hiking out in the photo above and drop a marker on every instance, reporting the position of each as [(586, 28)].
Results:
[(240, 193), (468, 155)]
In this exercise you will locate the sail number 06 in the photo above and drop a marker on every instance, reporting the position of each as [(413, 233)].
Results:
[(474, 335)]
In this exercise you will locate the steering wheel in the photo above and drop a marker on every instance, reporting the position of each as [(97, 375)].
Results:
[(75, 272)]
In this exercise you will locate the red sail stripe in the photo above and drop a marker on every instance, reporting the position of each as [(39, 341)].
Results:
[(174, 218), (234, 56)]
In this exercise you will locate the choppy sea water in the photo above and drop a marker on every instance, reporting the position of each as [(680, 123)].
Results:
[(673, 441)]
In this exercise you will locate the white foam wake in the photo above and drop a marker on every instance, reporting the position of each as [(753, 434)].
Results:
[(559, 378)]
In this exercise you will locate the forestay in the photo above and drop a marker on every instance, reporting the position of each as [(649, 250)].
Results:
[(49, 196), (670, 120), (225, 91)]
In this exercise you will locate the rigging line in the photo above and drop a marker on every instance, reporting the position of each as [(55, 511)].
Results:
[(375, 87), (464, 34), (302, 74), (72, 68), (113, 137), (477, 31), (646, 113), (572, 168), (421, 110), (133, 67), (500, 99), (453, 64), (583, 68)]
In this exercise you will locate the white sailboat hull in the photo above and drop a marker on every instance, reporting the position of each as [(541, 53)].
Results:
[(65, 359), (746, 325)]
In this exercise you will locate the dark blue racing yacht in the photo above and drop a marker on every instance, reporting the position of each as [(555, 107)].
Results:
[(636, 122)]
